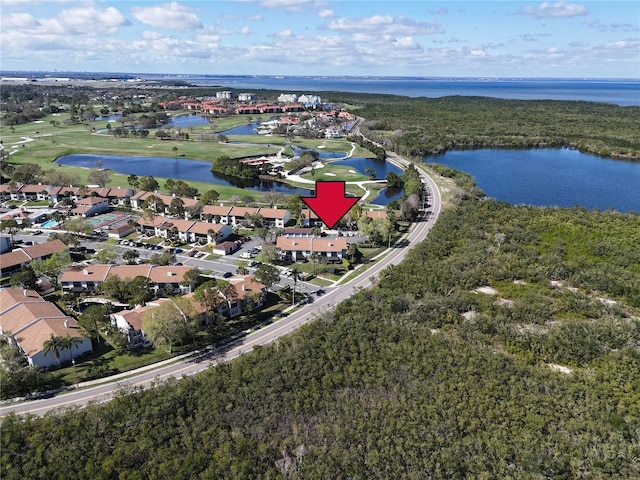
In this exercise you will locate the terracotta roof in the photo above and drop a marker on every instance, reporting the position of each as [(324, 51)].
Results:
[(273, 212), (44, 249), (156, 221), (11, 259), (10, 297), (245, 284), (312, 244), (181, 225), (23, 314), (85, 273), (134, 317), (216, 210), (204, 227), (225, 245), (308, 213), (243, 211), (33, 188), (81, 209), (5, 188), (168, 274), (124, 272), (91, 201), (32, 338)]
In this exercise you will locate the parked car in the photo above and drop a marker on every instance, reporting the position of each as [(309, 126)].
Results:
[(177, 250), (36, 232), (227, 275)]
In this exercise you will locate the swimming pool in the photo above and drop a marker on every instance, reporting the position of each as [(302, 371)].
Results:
[(50, 224)]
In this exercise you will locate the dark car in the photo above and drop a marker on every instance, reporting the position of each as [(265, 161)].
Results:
[(319, 292), (227, 274)]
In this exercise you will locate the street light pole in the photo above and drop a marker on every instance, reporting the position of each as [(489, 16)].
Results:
[(75, 374)]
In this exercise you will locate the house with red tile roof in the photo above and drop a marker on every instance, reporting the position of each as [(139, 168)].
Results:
[(216, 214), (129, 322), (275, 217), (85, 278), (29, 321), (90, 206), (333, 249), (21, 257)]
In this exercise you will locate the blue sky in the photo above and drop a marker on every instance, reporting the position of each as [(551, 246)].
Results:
[(307, 37)]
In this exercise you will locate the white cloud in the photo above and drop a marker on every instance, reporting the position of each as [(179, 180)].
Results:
[(169, 16), (558, 9), (326, 14), (255, 18), (245, 31), (284, 34), (385, 24), (75, 21)]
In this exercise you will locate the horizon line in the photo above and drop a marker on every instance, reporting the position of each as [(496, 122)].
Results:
[(187, 75)]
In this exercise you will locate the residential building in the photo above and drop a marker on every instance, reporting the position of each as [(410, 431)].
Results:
[(216, 214), (238, 215), (85, 278), (21, 257), (90, 206), (29, 321), (333, 249), (247, 97), (275, 217), (225, 95), (226, 248), (129, 322)]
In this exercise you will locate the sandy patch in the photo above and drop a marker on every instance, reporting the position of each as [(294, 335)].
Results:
[(352, 171), (559, 368), (486, 290), (330, 174), (519, 282), (470, 315), (321, 146), (39, 121), (150, 146), (504, 302)]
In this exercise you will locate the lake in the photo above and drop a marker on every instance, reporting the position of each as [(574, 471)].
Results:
[(550, 177), (181, 168)]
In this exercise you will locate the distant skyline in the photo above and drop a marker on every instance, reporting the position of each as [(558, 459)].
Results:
[(305, 37)]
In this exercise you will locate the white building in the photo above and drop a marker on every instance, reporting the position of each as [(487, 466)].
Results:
[(247, 97), (288, 98)]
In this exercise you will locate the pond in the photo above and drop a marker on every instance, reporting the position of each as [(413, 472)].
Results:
[(181, 168), (247, 129), (185, 121), (550, 177)]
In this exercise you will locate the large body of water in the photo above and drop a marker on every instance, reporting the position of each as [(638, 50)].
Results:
[(179, 169), (619, 92), (550, 177)]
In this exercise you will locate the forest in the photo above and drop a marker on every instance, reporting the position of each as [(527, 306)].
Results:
[(429, 126), (504, 346)]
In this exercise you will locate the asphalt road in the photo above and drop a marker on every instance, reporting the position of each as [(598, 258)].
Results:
[(196, 363)]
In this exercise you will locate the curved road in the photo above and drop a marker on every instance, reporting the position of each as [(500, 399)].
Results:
[(188, 366)]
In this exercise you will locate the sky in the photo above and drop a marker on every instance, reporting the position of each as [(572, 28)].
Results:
[(581, 39)]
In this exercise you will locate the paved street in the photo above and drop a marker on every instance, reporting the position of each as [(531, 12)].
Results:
[(96, 391)]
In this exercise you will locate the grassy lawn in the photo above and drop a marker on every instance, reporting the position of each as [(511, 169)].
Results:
[(46, 142), (321, 282), (334, 171)]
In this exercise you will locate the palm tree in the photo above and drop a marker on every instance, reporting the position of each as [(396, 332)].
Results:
[(175, 153), (67, 342), (295, 273), (52, 345)]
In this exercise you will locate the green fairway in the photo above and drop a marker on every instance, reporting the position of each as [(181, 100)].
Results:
[(43, 141)]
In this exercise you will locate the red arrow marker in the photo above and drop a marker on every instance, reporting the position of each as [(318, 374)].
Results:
[(330, 202)]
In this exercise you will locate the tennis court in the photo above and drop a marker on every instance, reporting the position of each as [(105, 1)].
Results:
[(104, 219)]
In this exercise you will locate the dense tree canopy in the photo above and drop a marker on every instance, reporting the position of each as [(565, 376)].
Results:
[(430, 374)]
